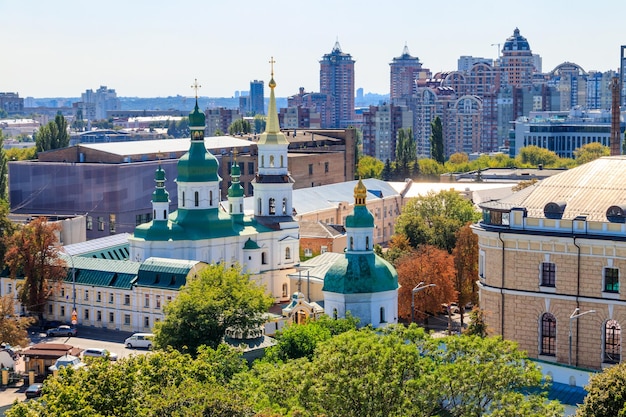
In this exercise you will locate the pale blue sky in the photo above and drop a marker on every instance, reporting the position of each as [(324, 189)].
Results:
[(150, 48)]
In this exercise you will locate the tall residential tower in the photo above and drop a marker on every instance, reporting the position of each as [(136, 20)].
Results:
[(337, 82)]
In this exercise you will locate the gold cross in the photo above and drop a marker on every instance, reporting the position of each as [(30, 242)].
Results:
[(235, 154), (196, 86), (272, 62)]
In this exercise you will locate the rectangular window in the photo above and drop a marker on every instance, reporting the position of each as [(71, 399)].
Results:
[(9, 288), (111, 317), (86, 295), (111, 223), (50, 309), (111, 298), (98, 296), (323, 249), (89, 223), (127, 319), (310, 169), (146, 302), (326, 167), (62, 292), (98, 315), (86, 314), (548, 274), (158, 301), (100, 223), (126, 299), (611, 280), (308, 252), (138, 219), (62, 311), (146, 322), (169, 298), (250, 168)]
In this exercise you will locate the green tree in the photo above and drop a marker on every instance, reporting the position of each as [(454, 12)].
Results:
[(21, 154), (477, 325), (606, 394), (53, 135), (591, 151), (216, 299), (79, 122), (436, 141), (406, 150), (429, 168), (533, 156), (259, 123), (239, 126), (435, 219), (4, 171), (387, 171), (33, 253), (370, 167)]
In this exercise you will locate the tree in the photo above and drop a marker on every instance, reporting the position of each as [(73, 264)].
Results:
[(436, 141), (54, 135), (591, 151), (430, 168), (459, 158), (465, 255), (399, 246), (216, 299), (387, 170), (259, 123), (369, 167), (435, 219), (606, 394), (239, 126), (4, 171), (430, 265), (406, 150), (13, 328), (534, 156), (32, 253), (478, 324)]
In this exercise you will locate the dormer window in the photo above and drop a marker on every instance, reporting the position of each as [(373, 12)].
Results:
[(554, 210), (616, 214)]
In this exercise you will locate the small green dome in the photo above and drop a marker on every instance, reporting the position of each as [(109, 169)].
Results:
[(251, 244), (160, 194), (360, 273), (196, 117), (362, 217), (235, 190)]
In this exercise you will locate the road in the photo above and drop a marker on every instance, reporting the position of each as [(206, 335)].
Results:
[(88, 337)]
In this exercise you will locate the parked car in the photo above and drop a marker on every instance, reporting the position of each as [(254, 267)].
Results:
[(67, 360), (99, 353), (453, 308), (51, 324), (63, 330), (141, 340), (34, 390)]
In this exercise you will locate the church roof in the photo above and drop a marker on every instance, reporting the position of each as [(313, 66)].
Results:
[(272, 134), (360, 273), (164, 273)]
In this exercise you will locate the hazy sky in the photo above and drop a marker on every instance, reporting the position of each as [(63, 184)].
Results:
[(151, 48)]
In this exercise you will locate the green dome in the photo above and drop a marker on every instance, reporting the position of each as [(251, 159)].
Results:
[(160, 194), (196, 118), (360, 273), (362, 217), (235, 190), (251, 244), (198, 165)]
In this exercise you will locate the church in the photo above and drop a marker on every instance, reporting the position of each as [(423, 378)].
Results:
[(203, 230)]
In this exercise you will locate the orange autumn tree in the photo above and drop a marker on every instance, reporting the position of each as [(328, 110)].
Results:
[(430, 265), (32, 254), (465, 255)]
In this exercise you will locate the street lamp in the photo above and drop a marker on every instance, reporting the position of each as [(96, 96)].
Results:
[(74, 315), (572, 317), (417, 288)]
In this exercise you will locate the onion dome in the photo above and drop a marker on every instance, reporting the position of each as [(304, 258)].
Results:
[(516, 43), (361, 216), (360, 273), (197, 165), (160, 194), (235, 189)]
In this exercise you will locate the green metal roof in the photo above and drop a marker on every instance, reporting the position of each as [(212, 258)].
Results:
[(360, 273), (362, 217), (164, 273), (101, 272)]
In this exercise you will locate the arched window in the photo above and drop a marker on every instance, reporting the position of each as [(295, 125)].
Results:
[(183, 199), (240, 207), (262, 161), (612, 341), (351, 243), (335, 314), (210, 198), (281, 162), (196, 199), (272, 206), (284, 206), (164, 214), (287, 253), (260, 205), (284, 290), (548, 335), (367, 243), (271, 161), (154, 214), (382, 315), (231, 207), (264, 258)]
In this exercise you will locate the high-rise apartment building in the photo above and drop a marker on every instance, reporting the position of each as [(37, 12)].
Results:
[(257, 103), (11, 103), (517, 62), (337, 82), (404, 71), (380, 129), (94, 105)]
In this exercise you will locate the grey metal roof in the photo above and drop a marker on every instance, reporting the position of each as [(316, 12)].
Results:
[(315, 269), (165, 146)]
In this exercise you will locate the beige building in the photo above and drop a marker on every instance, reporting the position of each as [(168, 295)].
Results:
[(550, 263)]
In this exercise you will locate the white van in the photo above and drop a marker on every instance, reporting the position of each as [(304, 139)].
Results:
[(139, 340)]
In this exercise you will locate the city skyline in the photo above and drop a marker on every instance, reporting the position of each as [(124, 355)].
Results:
[(157, 48)]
